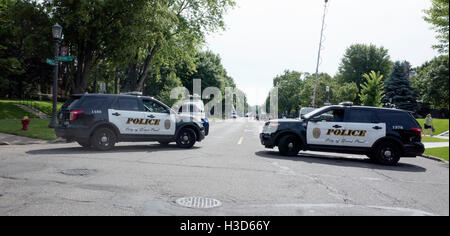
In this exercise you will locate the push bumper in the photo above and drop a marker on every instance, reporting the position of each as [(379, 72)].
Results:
[(202, 135), (267, 140)]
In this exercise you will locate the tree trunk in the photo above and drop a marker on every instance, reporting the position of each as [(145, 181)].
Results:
[(146, 71), (85, 62)]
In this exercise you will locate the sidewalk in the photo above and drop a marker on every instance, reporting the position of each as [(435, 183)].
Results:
[(435, 145), (8, 139)]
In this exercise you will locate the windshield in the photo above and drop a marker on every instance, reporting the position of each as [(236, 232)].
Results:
[(309, 115)]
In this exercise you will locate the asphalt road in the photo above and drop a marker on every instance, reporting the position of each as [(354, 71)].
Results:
[(230, 165)]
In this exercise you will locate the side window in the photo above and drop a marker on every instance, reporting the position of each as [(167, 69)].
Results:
[(397, 119), (360, 116), (154, 107), (127, 104), (95, 102), (335, 115)]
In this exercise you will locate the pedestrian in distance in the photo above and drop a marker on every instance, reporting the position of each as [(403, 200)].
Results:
[(429, 125)]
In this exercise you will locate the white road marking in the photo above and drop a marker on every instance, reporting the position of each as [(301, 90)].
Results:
[(240, 141)]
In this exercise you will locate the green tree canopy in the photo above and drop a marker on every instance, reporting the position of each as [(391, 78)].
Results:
[(25, 44), (372, 91), (438, 16), (431, 82), (360, 59), (398, 88)]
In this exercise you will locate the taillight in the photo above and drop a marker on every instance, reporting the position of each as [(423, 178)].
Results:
[(74, 114), (418, 131)]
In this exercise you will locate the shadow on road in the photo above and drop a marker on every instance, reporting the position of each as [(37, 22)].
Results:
[(117, 149), (341, 161)]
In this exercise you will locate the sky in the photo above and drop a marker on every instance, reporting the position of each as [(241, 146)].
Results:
[(263, 38)]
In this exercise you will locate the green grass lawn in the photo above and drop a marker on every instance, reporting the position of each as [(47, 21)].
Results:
[(44, 106), (438, 152), (38, 129), (440, 125), (11, 111)]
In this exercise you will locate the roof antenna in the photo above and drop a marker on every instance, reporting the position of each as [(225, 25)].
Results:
[(318, 57)]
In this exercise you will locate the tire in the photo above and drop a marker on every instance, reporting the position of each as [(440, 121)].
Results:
[(103, 139), (186, 138), (289, 146), (387, 154), (372, 157), (85, 144)]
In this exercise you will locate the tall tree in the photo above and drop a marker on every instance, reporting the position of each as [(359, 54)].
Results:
[(25, 43), (372, 91), (92, 29), (431, 82), (176, 29), (398, 88), (289, 91), (438, 16), (360, 59)]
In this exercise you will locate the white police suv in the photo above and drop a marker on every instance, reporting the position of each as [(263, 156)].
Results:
[(384, 135), (101, 121)]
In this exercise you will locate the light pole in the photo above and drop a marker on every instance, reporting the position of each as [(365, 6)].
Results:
[(318, 57), (57, 34)]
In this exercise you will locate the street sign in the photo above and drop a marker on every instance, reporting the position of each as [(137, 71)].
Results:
[(51, 62), (65, 58), (64, 51)]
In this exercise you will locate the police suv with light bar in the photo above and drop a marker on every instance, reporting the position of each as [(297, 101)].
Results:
[(101, 121), (384, 135)]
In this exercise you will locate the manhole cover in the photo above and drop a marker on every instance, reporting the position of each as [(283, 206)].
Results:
[(199, 202), (78, 172)]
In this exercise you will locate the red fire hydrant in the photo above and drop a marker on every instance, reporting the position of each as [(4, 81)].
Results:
[(25, 123)]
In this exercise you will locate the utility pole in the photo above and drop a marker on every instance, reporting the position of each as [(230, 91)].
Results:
[(318, 57)]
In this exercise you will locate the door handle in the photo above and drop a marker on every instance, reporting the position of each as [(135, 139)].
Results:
[(151, 116), (377, 128), (116, 114), (337, 126)]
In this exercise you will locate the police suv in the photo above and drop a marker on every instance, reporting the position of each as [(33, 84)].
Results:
[(101, 121), (384, 135)]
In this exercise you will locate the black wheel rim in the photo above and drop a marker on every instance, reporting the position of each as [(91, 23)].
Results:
[(185, 138)]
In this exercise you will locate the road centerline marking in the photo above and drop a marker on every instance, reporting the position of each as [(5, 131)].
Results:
[(240, 141)]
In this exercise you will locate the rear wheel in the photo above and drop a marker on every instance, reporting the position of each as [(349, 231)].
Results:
[(289, 146), (387, 154), (186, 138), (103, 139)]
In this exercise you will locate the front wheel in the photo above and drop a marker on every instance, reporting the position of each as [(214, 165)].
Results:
[(103, 139), (289, 146), (186, 138), (387, 154)]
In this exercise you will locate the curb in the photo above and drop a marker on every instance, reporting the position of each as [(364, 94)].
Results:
[(435, 158)]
